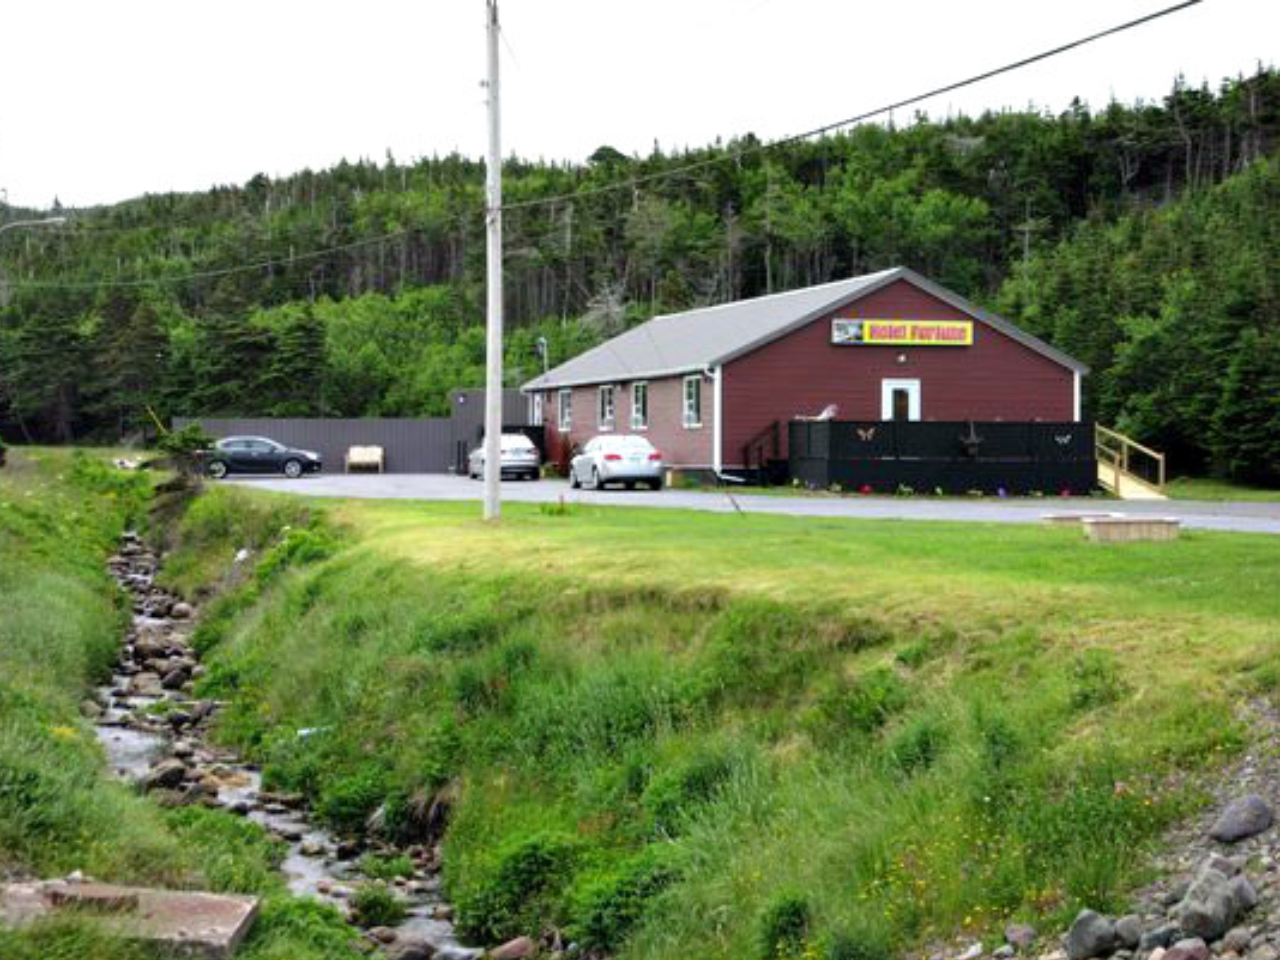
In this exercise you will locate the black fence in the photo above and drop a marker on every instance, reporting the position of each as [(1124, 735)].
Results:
[(884, 457)]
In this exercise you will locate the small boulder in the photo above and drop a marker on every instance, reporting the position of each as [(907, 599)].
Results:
[(1129, 931), (1238, 940), (1264, 952), (1243, 894), (181, 611), (518, 949), (1020, 935), (383, 934), (972, 952), (1191, 949), (1243, 818), (1158, 937), (1209, 908), (165, 775), (174, 679), (411, 950), (1091, 935)]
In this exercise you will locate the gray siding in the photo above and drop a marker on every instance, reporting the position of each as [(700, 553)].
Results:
[(426, 445)]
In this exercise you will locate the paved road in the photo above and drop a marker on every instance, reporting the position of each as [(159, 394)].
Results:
[(1239, 517)]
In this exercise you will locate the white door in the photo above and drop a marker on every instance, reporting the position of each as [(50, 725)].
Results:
[(900, 400)]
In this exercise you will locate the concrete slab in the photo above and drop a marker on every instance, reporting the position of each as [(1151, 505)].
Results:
[(1130, 529), (199, 926)]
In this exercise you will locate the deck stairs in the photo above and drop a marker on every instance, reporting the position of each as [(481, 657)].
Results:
[(1126, 468)]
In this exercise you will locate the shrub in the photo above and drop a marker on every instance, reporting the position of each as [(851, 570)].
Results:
[(784, 927), (295, 549), (346, 803), (606, 908), (918, 744), (674, 793), (373, 905), (377, 867), (520, 892), (863, 705), (1096, 680), (863, 942)]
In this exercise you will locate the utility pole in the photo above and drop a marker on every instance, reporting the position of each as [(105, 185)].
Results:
[(493, 247)]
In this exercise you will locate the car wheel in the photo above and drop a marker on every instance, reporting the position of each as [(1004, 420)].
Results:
[(596, 482), (574, 482), (292, 469), (217, 469)]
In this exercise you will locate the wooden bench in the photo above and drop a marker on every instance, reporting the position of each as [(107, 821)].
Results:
[(365, 458), (1130, 529)]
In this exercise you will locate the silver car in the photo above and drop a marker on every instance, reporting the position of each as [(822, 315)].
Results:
[(520, 458), (622, 458)]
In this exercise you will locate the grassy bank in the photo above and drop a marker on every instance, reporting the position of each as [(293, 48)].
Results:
[(61, 621), (675, 734), (1204, 488)]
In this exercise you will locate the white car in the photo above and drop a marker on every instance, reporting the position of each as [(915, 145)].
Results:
[(617, 458), (520, 458)]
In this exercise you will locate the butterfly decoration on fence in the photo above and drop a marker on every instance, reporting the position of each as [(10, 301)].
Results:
[(866, 434), (1062, 438)]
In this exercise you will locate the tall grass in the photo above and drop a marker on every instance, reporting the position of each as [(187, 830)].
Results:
[(61, 622), (667, 771)]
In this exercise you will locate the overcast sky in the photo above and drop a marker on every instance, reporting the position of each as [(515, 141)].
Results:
[(101, 101)]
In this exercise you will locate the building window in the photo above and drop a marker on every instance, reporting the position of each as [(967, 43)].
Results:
[(639, 406), (535, 414), (693, 401), (564, 409), (604, 409)]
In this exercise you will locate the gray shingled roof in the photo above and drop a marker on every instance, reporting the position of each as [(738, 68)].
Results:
[(685, 342)]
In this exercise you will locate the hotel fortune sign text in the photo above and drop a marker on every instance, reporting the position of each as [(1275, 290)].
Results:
[(902, 333)]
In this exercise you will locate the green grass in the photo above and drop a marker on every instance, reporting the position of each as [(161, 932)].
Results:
[(678, 734), (61, 621), (1204, 488)]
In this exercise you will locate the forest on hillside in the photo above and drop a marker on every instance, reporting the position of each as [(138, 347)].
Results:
[(1144, 239)]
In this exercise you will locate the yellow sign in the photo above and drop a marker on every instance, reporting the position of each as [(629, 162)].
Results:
[(903, 333)]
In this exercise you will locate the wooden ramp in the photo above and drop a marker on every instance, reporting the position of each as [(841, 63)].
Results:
[(1127, 469)]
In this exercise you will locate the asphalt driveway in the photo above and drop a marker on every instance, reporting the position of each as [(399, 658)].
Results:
[(1200, 515)]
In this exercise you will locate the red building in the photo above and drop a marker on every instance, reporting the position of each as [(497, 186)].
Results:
[(704, 386)]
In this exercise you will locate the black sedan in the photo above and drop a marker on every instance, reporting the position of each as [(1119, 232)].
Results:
[(259, 455)]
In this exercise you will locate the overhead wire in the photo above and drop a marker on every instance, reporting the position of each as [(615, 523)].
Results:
[(630, 183), (739, 152)]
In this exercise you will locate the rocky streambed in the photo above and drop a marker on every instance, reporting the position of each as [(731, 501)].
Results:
[(155, 733)]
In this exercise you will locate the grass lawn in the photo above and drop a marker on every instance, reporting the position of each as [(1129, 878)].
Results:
[(680, 734), (1204, 488)]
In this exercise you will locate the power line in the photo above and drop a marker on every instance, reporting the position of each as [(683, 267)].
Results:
[(736, 154), (630, 183)]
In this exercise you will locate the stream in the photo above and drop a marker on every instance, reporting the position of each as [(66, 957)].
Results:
[(156, 735)]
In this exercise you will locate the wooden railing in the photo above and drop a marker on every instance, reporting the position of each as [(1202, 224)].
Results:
[(763, 447), (1120, 458)]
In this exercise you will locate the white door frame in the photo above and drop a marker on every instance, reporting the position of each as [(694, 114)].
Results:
[(887, 387)]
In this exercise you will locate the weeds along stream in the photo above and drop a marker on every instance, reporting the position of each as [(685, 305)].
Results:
[(155, 735)]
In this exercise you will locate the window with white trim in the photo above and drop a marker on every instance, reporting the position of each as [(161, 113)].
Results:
[(640, 406), (604, 408), (564, 410), (693, 401), (535, 412)]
